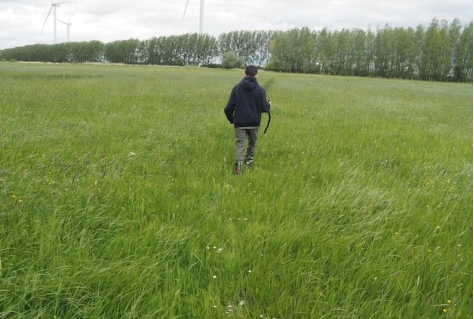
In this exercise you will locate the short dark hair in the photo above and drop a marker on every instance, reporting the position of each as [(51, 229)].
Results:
[(251, 70)]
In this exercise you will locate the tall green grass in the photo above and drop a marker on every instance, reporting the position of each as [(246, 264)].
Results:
[(118, 199)]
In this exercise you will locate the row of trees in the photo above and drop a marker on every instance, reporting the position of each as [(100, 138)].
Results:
[(187, 49), (439, 52)]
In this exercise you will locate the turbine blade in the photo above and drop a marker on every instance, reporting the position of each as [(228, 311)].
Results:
[(46, 18), (72, 15), (185, 8)]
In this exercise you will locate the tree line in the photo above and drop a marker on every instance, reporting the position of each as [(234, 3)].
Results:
[(441, 51)]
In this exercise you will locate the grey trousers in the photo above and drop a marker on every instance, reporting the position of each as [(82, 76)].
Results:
[(242, 136)]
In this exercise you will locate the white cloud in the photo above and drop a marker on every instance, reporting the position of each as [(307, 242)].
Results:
[(109, 20)]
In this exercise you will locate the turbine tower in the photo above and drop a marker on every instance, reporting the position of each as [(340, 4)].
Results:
[(54, 5), (68, 24), (201, 15)]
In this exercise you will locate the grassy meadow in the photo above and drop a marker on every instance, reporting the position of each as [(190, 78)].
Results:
[(118, 199)]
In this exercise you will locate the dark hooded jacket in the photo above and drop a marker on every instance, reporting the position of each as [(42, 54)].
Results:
[(246, 103)]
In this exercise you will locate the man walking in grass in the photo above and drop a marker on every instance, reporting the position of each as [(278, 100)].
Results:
[(244, 109)]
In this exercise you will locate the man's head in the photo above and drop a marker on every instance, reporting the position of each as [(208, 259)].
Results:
[(251, 70)]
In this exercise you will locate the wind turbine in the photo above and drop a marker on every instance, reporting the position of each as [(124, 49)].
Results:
[(201, 15), (68, 24), (54, 5)]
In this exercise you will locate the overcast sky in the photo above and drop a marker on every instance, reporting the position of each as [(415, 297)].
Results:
[(21, 21)]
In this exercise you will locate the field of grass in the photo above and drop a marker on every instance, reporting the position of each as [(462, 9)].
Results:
[(118, 199)]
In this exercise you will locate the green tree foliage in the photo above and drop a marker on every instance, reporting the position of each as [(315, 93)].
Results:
[(84, 52), (325, 48), (439, 52), (436, 52), (230, 60), (462, 70), (293, 51), (252, 46)]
